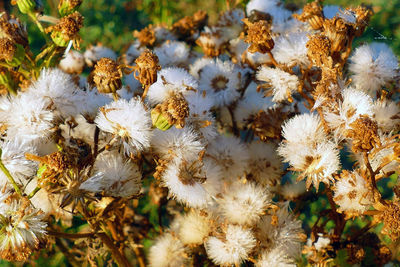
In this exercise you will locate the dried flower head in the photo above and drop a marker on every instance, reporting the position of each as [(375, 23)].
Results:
[(312, 13), (146, 36), (13, 29), (390, 218), (21, 226), (107, 76), (319, 50), (364, 134), (67, 29), (146, 68), (175, 110), (189, 25), (7, 49), (259, 36), (338, 33)]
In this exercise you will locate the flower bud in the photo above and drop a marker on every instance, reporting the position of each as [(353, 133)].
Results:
[(67, 7), (66, 29), (26, 6), (159, 120), (107, 76)]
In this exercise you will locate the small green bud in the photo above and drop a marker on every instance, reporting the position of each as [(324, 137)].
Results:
[(58, 39), (26, 6), (159, 120), (66, 7)]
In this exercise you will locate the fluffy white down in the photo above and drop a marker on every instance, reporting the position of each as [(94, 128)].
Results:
[(114, 176), (167, 251), (355, 103), (180, 143), (283, 84), (128, 120), (243, 203), (291, 49), (193, 194), (31, 118), (13, 157), (220, 79), (233, 249), (352, 193), (171, 80), (230, 154), (373, 65), (193, 228), (172, 53), (305, 129)]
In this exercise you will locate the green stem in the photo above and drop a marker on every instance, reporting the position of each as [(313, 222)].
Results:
[(44, 52), (10, 178), (33, 193), (39, 25)]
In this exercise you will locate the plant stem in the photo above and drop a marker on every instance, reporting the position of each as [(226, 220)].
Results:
[(70, 236), (39, 25), (118, 257), (33, 193), (9, 176)]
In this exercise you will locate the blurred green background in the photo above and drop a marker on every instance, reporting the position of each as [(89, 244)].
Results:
[(111, 22)]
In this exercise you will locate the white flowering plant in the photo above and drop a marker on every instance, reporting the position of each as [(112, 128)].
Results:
[(261, 139)]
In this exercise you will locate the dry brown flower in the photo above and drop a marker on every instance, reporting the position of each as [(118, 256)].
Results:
[(390, 216), (175, 110), (211, 43), (382, 255), (363, 15), (338, 33), (319, 50), (189, 25), (67, 29), (355, 253), (267, 124), (107, 76), (312, 13), (364, 134), (146, 36), (11, 28), (7, 49), (259, 36), (146, 69)]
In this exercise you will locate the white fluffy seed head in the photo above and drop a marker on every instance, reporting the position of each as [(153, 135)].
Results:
[(233, 248), (354, 104), (291, 49), (304, 129), (172, 53), (167, 251), (244, 203), (387, 115), (129, 121), (95, 53), (373, 65), (180, 143), (31, 119), (114, 176), (184, 181), (171, 80), (220, 79), (230, 154), (352, 193), (194, 228), (265, 165), (13, 158), (72, 62)]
